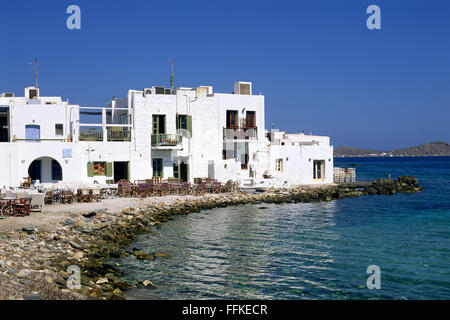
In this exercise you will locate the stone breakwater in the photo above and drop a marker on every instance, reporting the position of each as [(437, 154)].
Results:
[(35, 262)]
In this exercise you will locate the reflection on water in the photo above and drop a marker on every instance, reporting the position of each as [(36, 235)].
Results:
[(306, 251)]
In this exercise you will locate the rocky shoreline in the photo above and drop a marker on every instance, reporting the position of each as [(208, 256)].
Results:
[(34, 262)]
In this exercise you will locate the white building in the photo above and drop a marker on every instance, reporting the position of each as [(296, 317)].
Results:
[(187, 134)]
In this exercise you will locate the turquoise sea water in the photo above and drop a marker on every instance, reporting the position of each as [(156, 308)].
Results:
[(311, 250)]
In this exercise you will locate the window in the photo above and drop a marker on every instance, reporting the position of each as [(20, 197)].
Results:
[(56, 171), (232, 119), (59, 129), (4, 124), (159, 124), (279, 165), (244, 163), (184, 125), (99, 169), (158, 167), (33, 94), (250, 120), (176, 170), (32, 133), (181, 121), (319, 170)]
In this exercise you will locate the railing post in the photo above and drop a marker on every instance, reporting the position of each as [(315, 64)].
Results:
[(105, 133)]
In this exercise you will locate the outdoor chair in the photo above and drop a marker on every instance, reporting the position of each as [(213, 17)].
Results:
[(6, 208), (66, 197), (228, 187), (156, 180), (37, 202), (48, 197), (96, 195), (216, 187), (21, 207), (200, 189), (185, 188), (84, 195), (164, 189)]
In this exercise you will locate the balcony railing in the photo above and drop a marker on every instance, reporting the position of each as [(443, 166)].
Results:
[(166, 140), (240, 133), (119, 134), (91, 135)]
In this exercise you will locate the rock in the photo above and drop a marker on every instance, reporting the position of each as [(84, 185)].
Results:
[(89, 214), (99, 226), (30, 229), (33, 296), (24, 273), (117, 291), (162, 254), (102, 281), (96, 292), (75, 245), (77, 256), (141, 255), (128, 211), (122, 285), (148, 284), (68, 222), (12, 271)]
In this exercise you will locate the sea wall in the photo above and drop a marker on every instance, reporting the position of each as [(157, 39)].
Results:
[(96, 237)]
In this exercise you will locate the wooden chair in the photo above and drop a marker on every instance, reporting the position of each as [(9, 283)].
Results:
[(96, 195), (156, 180), (185, 188), (84, 195), (21, 207), (48, 197), (200, 189), (164, 189), (228, 187), (6, 208), (216, 187), (66, 197), (145, 190)]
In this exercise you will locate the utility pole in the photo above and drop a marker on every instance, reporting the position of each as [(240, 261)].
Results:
[(35, 63), (171, 74)]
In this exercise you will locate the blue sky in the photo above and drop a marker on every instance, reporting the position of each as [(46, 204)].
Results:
[(317, 64)]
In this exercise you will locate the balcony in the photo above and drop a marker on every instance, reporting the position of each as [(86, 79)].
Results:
[(119, 134), (240, 133), (166, 140), (91, 134)]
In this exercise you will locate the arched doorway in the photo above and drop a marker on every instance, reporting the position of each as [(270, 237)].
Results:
[(45, 169)]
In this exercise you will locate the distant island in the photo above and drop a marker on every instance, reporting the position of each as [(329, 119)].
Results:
[(437, 148)]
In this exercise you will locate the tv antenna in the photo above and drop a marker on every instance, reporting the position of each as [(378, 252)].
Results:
[(35, 63), (171, 74)]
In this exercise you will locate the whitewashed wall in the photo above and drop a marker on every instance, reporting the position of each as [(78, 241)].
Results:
[(298, 163)]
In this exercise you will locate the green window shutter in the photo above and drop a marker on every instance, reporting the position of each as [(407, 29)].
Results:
[(155, 124), (108, 169), (178, 122), (164, 125), (90, 169), (189, 125)]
